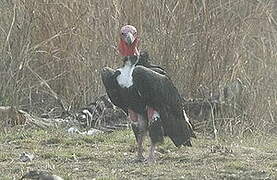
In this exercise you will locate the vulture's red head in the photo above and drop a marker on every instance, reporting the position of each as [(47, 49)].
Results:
[(128, 45)]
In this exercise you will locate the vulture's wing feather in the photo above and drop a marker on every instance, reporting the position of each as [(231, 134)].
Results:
[(108, 76), (158, 91), (158, 70)]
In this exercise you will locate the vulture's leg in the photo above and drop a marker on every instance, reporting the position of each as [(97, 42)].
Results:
[(151, 156), (155, 132), (139, 129)]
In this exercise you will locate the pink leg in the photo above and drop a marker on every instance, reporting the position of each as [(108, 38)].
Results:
[(152, 114), (138, 125), (140, 149), (151, 157)]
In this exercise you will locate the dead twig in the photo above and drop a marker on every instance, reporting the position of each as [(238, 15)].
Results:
[(10, 29), (53, 93)]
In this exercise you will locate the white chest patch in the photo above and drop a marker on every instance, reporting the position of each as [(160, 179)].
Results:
[(125, 78)]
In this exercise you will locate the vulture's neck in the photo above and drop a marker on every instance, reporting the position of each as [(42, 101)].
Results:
[(125, 79), (128, 50)]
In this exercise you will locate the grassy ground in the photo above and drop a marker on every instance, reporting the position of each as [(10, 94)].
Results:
[(109, 156)]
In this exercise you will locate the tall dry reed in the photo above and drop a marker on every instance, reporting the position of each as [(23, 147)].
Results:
[(56, 48)]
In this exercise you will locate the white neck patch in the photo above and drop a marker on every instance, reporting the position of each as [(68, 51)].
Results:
[(125, 79)]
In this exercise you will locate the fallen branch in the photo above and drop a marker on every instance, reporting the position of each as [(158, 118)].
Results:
[(12, 117)]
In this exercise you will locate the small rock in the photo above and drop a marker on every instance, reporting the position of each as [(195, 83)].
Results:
[(25, 157), (73, 130), (93, 132), (41, 175), (90, 132)]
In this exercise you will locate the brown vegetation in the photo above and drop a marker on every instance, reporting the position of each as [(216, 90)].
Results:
[(53, 50)]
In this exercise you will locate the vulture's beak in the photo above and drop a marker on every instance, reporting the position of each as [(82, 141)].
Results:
[(129, 38)]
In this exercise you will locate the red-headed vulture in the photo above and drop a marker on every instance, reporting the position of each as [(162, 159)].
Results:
[(147, 95)]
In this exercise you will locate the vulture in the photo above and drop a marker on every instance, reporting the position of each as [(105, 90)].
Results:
[(146, 93)]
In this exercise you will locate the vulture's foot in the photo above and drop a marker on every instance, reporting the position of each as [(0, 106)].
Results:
[(138, 159), (151, 160)]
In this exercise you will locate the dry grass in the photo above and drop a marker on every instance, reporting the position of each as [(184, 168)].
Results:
[(110, 156), (53, 48)]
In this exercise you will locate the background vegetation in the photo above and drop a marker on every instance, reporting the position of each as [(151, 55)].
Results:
[(56, 48)]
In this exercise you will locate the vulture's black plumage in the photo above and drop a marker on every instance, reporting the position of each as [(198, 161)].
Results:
[(147, 95), (151, 88)]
